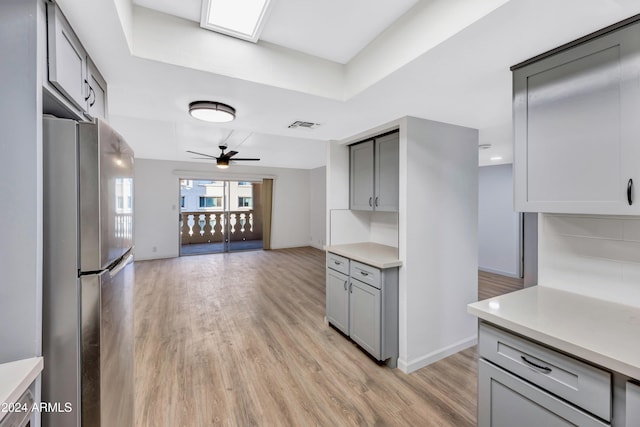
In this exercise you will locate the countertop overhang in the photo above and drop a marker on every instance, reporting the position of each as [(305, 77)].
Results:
[(374, 254), (602, 332), (16, 377)]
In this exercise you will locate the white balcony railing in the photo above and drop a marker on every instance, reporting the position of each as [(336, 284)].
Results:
[(210, 227)]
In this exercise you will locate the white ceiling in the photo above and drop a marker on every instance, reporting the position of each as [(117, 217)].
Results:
[(445, 60), (331, 29)]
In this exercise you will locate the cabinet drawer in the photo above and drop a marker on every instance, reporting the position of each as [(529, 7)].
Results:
[(365, 273), (577, 382), (338, 263)]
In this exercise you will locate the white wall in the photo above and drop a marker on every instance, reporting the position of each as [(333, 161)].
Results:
[(347, 226), (498, 223), (157, 191), (318, 206), (21, 221), (438, 240), (596, 256)]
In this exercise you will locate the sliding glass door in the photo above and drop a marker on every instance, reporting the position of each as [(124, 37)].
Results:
[(220, 216)]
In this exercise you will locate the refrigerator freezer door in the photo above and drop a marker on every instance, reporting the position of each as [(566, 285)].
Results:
[(107, 347), (106, 195)]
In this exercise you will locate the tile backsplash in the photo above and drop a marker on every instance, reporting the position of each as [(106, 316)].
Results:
[(597, 256)]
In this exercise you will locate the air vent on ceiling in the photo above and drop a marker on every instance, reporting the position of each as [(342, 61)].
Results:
[(301, 124)]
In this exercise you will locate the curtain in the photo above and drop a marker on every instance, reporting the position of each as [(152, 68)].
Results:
[(267, 195)]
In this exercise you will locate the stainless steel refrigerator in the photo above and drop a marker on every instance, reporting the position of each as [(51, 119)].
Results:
[(88, 275)]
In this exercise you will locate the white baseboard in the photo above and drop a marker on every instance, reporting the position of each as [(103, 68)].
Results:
[(502, 273), (161, 256), (427, 359)]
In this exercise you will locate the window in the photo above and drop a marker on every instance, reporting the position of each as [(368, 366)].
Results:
[(245, 202), (210, 202), (182, 201), (244, 183)]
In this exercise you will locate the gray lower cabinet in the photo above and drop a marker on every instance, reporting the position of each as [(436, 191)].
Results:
[(364, 317), (633, 404), (505, 400), (362, 302), (337, 299), (522, 383)]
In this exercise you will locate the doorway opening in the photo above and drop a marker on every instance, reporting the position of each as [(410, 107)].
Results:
[(220, 216)]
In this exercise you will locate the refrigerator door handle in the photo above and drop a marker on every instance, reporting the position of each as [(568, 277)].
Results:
[(124, 261)]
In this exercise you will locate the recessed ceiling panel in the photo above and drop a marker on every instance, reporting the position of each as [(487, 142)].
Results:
[(332, 29), (187, 9)]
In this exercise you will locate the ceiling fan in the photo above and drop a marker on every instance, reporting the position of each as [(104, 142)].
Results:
[(222, 161)]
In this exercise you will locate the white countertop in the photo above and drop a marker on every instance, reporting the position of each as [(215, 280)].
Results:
[(16, 377), (369, 253), (602, 332)]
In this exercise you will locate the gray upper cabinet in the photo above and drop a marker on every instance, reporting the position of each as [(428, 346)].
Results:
[(97, 96), (75, 82), (67, 58), (374, 174), (387, 173), (361, 176), (577, 135)]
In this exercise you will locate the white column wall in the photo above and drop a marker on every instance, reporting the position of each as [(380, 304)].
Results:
[(438, 241)]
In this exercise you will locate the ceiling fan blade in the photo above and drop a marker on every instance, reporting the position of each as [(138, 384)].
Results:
[(245, 159), (202, 158), (231, 153), (202, 154)]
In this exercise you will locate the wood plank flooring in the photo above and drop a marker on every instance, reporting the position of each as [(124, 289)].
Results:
[(239, 340), (491, 285)]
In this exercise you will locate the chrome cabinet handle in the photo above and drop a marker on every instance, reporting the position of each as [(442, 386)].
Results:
[(370, 201), (345, 285), (350, 288), (337, 262), (544, 369), (364, 273), (376, 201), (629, 189)]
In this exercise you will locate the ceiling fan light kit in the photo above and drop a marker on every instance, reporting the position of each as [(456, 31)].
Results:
[(224, 159), (210, 111)]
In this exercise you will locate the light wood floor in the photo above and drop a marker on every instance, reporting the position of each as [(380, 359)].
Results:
[(491, 285), (239, 340)]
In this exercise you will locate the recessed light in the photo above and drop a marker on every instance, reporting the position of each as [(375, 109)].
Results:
[(209, 111), (496, 158), (240, 19)]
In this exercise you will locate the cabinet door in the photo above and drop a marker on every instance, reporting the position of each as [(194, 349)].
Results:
[(505, 400), (337, 295), (97, 96), (633, 404), (576, 127), (364, 317), (361, 176), (67, 58), (387, 173)]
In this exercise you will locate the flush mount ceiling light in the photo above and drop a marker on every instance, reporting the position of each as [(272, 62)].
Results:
[(240, 19), (208, 111)]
